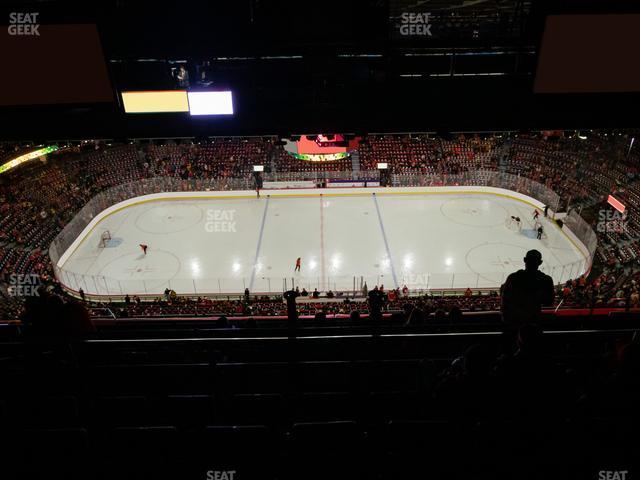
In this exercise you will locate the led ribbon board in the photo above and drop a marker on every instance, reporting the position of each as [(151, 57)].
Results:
[(318, 157), (26, 157), (615, 203)]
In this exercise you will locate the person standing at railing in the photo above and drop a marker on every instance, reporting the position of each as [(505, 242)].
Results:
[(526, 291)]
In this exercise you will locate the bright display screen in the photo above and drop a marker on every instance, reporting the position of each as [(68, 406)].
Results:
[(155, 101), (210, 103), (319, 145)]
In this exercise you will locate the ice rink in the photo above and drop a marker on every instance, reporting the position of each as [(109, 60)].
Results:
[(224, 245)]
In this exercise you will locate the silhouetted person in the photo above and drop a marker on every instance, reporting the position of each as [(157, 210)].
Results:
[(290, 297), (375, 304), (526, 291), (182, 76)]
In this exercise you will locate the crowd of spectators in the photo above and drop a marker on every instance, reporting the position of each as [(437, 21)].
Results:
[(38, 199)]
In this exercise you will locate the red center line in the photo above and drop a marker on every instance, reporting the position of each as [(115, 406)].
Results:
[(322, 266)]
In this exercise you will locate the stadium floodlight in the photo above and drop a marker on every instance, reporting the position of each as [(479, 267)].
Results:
[(258, 168), (383, 166)]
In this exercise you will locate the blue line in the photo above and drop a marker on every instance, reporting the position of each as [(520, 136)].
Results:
[(386, 243), (255, 260)]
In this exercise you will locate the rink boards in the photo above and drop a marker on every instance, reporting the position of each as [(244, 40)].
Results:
[(223, 242)]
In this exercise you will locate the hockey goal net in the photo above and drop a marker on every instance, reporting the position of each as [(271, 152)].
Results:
[(105, 237), (513, 223)]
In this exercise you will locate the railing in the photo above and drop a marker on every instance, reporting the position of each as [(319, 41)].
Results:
[(103, 285), (583, 231), (483, 178)]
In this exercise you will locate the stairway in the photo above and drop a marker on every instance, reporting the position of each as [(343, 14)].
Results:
[(273, 154), (503, 154), (355, 164)]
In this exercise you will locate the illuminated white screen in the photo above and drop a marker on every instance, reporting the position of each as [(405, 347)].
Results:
[(210, 103)]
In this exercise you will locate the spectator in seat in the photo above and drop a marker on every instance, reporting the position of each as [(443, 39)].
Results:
[(392, 295), (316, 293), (526, 291)]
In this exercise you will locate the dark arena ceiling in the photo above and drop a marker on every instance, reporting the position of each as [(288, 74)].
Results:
[(350, 66)]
